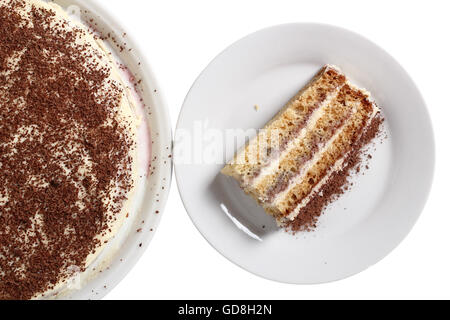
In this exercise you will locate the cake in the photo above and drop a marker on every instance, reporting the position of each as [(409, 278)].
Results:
[(314, 138), (68, 139)]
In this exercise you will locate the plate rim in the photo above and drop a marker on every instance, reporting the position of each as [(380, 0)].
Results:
[(427, 120), (165, 134)]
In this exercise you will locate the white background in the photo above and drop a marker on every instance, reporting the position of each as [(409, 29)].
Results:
[(181, 37)]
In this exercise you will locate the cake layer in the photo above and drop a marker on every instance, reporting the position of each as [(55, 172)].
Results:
[(285, 126)]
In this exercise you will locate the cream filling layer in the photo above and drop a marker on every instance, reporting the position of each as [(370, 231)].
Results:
[(338, 166), (308, 165), (317, 114)]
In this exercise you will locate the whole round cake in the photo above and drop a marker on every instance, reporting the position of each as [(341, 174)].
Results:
[(68, 138)]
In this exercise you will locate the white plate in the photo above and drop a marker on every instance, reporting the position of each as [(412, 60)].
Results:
[(266, 69), (123, 252)]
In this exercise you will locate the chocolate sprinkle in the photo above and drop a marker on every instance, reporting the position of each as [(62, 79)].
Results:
[(58, 107)]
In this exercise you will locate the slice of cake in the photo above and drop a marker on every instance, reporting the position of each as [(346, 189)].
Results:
[(313, 137)]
